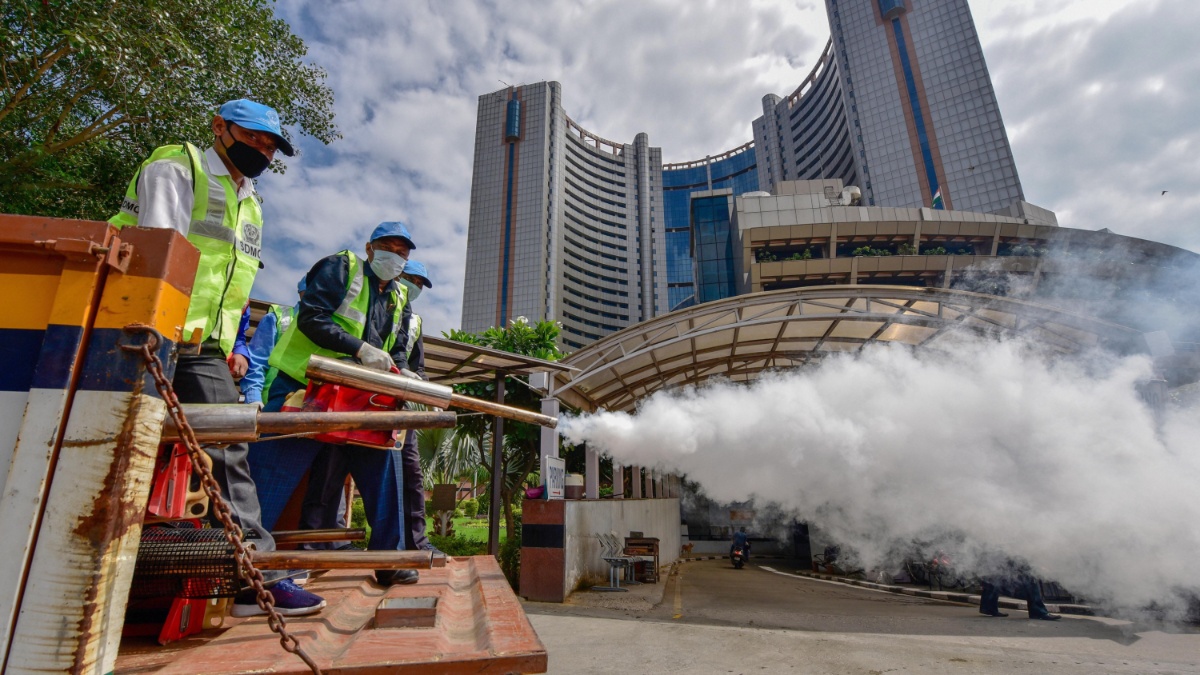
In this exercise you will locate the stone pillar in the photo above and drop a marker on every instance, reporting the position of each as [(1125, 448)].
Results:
[(591, 474), (549, 437), (649, 487), (618, 481), (635, 474)]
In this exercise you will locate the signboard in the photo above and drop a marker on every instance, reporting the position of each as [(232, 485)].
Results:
[(554, 473), (444, 497)]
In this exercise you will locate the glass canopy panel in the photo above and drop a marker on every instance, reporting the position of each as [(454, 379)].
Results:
[(801, 329), (836, 346), (1083, 337), (670, 351), (715, 320), (721, 337), (767, 311), (886, 305), (858, 330), (924, 306), (829, 307), (1006, 319), (761, 348), (759, 332), (910, 335), (797, 345)]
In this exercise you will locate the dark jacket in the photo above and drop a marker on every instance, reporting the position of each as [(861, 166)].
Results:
[(326, 289)]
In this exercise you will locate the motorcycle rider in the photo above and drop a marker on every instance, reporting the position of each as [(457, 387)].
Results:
[(741, 540)]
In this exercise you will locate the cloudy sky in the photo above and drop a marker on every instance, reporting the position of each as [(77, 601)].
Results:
[(1101, 99)]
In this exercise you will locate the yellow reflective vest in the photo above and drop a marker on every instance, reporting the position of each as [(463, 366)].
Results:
[(228, 233), (294, 349)]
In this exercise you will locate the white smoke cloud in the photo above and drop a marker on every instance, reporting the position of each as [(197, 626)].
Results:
[(988, 444)]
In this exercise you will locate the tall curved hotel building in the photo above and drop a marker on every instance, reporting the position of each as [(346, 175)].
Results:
[(600, 234)]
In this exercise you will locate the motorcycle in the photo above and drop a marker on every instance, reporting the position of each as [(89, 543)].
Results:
[(738, 558)]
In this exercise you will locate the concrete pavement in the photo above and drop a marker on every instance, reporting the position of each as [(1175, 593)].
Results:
[(714, 619)]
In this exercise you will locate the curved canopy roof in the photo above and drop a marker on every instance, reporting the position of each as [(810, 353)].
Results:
[(739, 337)]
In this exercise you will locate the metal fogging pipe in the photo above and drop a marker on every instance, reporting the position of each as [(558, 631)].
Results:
[(333, 371), (220, 423), (346, 560)]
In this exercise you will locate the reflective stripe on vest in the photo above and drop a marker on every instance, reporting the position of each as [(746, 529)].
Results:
[(228, 234), (414, 334), (294, 349), (283, 320)]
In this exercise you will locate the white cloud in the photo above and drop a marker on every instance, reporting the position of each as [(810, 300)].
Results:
[(1099, 98)]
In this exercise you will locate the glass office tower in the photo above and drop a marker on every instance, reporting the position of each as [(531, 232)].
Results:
[(599, 234), (736, 170)]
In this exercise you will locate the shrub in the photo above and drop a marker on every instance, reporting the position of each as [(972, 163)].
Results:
[(510, 558), (458, 545), (358, 518), (470, 507)]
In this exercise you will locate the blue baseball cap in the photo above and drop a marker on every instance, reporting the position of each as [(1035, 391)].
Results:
[(392, 228), (416, 269), (250, 115), (303, 285)]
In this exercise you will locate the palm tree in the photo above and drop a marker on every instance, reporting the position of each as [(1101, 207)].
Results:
[(446, 456)]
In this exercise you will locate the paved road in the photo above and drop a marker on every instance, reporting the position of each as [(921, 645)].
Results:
[(714, 619)]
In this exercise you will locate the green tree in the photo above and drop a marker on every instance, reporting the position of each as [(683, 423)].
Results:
[(89, 87), (521, 440), (446, 456)]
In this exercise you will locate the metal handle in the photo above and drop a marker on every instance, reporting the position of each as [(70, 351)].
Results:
[(330, 370)]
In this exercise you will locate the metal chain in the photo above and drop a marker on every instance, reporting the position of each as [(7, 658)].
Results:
[(217, 505)]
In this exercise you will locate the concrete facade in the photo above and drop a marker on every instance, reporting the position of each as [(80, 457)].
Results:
[(568, 226), (559, 547), (800, 237), (920, 105), (562, 223)]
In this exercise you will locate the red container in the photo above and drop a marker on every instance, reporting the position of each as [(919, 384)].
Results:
[(325, 397)]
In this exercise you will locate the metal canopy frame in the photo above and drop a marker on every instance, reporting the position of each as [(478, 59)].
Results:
[(451, 362), (740, 337)]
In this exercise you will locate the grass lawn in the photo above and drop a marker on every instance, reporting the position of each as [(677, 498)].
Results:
[(475, 529)]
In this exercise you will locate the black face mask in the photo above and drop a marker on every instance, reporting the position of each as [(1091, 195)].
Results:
[(246, 159)]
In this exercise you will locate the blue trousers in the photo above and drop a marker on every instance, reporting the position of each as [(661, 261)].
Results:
[(328, 475), (989, 597), (278, 466)]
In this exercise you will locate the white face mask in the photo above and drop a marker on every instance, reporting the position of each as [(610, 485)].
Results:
[(414, 290), (387, 265)]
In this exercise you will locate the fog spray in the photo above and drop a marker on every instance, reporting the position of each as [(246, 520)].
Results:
[(992, 449)]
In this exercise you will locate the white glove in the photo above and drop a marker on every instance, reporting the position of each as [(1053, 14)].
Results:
[(408, 373), (375, 358)]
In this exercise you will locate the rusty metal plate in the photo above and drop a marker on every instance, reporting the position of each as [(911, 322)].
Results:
[(480, 627)]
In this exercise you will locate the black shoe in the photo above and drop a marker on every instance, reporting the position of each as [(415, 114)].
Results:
[(1047, 617), (996, 613), (396, 577)]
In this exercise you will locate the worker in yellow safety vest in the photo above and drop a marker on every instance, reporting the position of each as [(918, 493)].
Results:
[(270, 329), (352, 308), (208, 196), (323, 506)]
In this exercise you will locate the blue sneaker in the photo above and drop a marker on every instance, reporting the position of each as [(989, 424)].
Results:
[(290, 600)]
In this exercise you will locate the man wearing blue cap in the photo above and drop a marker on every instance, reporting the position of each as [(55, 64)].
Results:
[(323, 498), (209, 198), (351, 308)]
